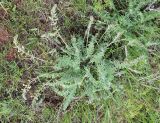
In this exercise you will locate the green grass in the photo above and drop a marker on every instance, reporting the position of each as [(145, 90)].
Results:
[(77, 69)]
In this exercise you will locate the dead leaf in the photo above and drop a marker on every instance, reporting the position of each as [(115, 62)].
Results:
[(17, 2), (3, 14), (4, 36), (11, 55)]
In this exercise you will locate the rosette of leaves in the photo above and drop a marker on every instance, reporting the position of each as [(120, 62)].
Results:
[(82, 72)]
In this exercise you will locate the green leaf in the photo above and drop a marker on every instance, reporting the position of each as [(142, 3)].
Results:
[(69, 97)]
